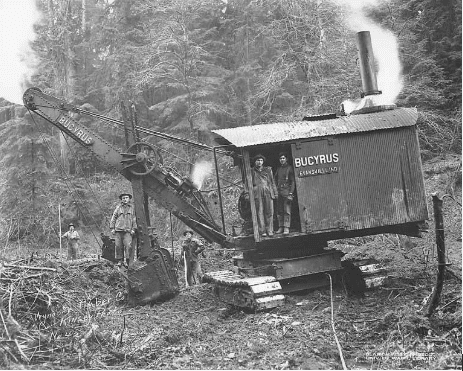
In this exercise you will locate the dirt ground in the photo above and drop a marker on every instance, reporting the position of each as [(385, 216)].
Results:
[(76, 316)]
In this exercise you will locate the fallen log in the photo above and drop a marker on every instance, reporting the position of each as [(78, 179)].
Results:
[(29, 267)]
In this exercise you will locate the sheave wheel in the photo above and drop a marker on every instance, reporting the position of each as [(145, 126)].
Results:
[(141, 158)]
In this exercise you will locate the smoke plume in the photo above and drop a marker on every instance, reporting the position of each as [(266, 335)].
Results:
[(385, 49), (17, 60), (201, 170)]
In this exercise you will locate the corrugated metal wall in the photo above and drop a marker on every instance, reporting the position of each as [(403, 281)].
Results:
[(376, 181), (319, 185)]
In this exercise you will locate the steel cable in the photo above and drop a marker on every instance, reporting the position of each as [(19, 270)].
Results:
[(154, 133)]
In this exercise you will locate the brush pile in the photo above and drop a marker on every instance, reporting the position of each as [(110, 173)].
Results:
[(48, 308)]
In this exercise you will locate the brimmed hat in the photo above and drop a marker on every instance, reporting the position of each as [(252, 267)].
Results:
[(125, 194), (188, 231), (71, 225), (256, 157)]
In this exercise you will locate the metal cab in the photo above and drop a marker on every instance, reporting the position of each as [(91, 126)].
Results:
[(355, 175)]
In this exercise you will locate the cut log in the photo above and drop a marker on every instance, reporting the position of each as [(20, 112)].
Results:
[(29, 267)]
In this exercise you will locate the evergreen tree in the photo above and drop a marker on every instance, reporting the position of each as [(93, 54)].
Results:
[(27, 167)]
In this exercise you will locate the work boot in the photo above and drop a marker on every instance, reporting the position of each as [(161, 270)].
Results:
[(280, 230), (286, 231)]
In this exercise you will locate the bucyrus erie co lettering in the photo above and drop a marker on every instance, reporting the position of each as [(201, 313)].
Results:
[(310, 165)]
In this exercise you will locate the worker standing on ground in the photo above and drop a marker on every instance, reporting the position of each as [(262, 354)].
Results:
[(73, 241), (191, 248), (265, 192), (123, 224), (285, 182)]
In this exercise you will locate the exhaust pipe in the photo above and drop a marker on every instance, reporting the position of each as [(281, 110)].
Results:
[(367, 64), (371, 98)]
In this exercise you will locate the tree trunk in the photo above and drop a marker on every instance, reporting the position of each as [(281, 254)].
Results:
[(60, 80), (51, 13), (248, 84), (84, 16), (84, 49), (441, 263), (321, 59), (33, 176), (70, 79)]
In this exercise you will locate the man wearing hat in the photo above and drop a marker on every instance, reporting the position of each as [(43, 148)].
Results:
[(73, 239), (191, 248), (285, 182), (123, 224), (265, 191)]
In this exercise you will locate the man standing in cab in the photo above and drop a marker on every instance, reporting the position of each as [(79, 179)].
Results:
[(285, 181), (123, 225), (265, 192)]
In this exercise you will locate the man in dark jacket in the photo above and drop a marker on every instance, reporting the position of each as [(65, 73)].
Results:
[(191, 248), (265, 192), (285, 182), (123, 224)]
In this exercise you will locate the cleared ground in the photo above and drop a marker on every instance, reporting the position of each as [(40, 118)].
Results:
[(76, 317)]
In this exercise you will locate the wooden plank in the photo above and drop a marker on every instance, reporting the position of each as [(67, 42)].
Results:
[(251, 281), (231, 278), (372, 269), (228, 282), (269, 302), (266, 289), (247, 171), (219, 273), (232, 281)]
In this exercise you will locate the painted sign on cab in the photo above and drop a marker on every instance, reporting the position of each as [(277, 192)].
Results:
[(309, 165)]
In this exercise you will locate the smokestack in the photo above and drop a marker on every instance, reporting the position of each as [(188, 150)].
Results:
[(372, 99), (367, 64)]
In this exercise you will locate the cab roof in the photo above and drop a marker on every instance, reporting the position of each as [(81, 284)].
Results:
[(248, 136)]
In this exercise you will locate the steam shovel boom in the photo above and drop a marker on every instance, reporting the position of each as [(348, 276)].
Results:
[(153, 277)]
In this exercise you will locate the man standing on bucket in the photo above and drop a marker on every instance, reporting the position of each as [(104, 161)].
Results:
[(123, 224)]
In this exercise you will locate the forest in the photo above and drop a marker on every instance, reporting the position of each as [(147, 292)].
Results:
[(192, 66)]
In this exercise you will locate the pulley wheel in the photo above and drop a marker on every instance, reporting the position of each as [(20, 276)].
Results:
[(143, 158)]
